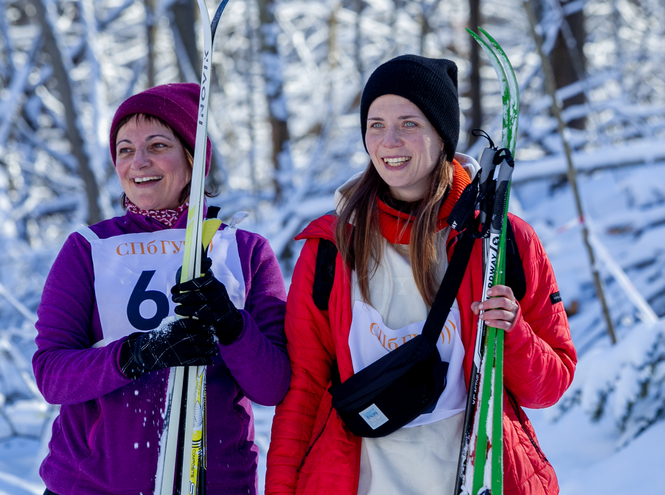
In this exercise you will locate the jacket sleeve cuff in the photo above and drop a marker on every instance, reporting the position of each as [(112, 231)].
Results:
[(520, 334)]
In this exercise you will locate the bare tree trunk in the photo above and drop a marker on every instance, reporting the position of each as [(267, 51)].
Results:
[(427, 10), (73, 131), (474, 77), (333, 26), (392, 47), (277, 110), (251, 88), (550, 85), (425, 29), (567, 55), (358, 6), (183, 19), (569, 60), (151, 31), (333, 60)]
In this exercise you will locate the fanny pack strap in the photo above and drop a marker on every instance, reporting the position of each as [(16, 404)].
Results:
[(448, 289), (444, 298)]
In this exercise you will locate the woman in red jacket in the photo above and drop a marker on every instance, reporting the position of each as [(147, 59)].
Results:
[(387, 271)]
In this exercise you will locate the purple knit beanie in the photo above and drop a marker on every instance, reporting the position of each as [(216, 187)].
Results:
[(176, 104)]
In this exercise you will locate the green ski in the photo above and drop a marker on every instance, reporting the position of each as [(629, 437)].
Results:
[(481, 457)]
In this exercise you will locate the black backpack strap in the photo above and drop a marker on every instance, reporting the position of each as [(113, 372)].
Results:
[(515, 277), (324, 273)]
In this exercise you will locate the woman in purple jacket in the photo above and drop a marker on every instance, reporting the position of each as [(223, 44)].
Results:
[(105, 346)]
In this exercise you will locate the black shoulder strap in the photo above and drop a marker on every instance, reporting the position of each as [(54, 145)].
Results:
[(515, 278), (324, 273), (447, 292)]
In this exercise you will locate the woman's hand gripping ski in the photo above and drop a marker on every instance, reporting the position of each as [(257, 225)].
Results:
[(206, 299), (499, 310)]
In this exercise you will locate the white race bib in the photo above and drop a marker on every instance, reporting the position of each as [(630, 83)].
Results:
[(370, 339), (134, 274)]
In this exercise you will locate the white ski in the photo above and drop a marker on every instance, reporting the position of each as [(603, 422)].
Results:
[(192, 454)]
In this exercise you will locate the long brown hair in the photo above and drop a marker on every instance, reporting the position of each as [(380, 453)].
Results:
[(362, 244)]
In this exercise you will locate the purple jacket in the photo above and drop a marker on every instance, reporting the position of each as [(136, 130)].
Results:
[(106, 438)]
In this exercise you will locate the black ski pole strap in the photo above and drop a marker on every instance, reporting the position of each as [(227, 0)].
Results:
[(448, 289), (462, 214), (213, 211)]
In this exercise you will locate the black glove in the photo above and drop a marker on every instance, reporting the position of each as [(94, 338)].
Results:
[(206, 299), (182, 342)]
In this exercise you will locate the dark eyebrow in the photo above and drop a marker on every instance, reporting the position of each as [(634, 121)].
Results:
[(401, 117), (152, 136)]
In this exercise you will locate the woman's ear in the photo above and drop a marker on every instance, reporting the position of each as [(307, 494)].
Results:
[(190, 157), (184, 195)]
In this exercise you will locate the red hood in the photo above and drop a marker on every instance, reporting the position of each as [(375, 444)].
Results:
[(321, 228)]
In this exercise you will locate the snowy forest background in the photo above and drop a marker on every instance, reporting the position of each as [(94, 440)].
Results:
[(286, 85)]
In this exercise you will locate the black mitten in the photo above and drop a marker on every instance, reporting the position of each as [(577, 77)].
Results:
[(182, 342), (206, 299)]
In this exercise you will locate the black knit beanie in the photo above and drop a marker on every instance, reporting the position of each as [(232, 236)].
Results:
[(429, 83)]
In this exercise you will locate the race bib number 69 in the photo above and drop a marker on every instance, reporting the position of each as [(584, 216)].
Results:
[(134, 274)]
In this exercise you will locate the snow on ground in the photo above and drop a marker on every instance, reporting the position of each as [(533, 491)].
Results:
[(583, 454), (586, 461), (18, 467)]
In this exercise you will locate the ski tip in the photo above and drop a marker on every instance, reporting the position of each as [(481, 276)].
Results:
[(472, 32), (480, 33), (486, 34), (217, 17)]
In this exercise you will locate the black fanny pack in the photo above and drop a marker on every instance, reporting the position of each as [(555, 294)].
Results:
[(407, 382), (392, 391)]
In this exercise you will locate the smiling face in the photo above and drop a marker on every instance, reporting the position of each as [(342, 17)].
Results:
[(151, 164), (403, 145)]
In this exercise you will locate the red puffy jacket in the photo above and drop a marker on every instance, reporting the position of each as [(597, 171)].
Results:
[(311, 451)]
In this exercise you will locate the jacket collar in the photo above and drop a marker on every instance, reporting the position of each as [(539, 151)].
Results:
[(396, 225), (324, 227)]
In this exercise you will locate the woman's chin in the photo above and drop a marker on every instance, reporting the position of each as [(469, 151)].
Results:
[(149, 204)]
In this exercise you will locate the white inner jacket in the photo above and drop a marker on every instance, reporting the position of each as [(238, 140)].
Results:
[(421, 459)]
